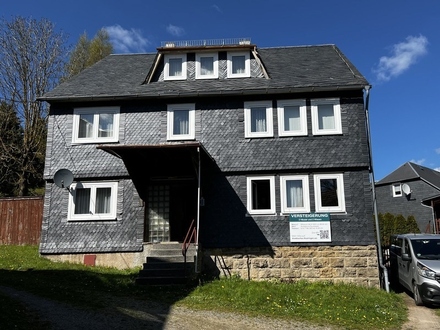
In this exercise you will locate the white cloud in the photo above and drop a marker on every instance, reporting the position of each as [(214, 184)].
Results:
[(175, 30), (403, 55), (437, 169), (418, 162), (127, 41), (217, 8)]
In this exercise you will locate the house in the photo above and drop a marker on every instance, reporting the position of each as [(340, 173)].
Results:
[(411, 189), (266, 149)]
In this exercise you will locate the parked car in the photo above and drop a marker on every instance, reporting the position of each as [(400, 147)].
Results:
[(415, 264)]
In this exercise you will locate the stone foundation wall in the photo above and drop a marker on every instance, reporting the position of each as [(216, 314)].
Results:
[(349, 264)]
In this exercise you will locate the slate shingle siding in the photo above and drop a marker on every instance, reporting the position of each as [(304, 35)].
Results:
[(220, 128), (63, 236), (404, 206)]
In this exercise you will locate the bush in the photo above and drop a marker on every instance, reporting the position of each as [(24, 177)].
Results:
[(391, 224)]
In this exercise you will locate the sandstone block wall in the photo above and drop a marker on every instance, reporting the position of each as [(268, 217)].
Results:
[(349, 264)]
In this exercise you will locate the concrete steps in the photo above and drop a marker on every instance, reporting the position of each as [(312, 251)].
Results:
[(165, 265)]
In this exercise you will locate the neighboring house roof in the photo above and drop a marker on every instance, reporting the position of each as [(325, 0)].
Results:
[(411, 171), (290, 69)]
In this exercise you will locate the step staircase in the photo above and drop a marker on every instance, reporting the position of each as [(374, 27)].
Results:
[(165, 265)]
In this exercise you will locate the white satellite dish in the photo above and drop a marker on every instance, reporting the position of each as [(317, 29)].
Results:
[(63, 178), (406, 189)]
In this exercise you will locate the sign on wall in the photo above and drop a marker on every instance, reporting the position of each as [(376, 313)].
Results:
[(310, 227)]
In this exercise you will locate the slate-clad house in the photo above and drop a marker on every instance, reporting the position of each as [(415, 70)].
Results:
[(266, 149), (411, 189)]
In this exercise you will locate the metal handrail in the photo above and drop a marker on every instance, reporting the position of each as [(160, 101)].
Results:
[(190, 235)]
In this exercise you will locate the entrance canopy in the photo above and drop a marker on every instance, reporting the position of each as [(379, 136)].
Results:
[(147, 163)]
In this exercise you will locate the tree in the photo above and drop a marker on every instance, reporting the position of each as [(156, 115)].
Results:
[(32, 60), (10, 148), (88, 52)]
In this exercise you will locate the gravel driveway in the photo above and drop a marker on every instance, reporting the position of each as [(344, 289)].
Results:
[(124, 314)]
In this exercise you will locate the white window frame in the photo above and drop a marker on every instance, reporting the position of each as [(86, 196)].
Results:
[(214, 66), (397, 190), (167, 67), (306, 195), (247, 119), (340, 193), (95, 111), (247, 63), (272, 209), (337, 116), (170, 121), (92, 216), (281, 104)]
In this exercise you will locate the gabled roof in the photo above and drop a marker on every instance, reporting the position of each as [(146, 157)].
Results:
[(411, 171), (290, 69)]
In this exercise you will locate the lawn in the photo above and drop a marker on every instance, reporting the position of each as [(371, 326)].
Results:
[(347, 306)]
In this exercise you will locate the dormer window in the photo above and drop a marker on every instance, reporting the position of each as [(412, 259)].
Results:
[(175, 67), (239, 65), (206, 66)]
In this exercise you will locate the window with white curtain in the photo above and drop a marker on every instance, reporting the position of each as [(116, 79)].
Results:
[(258, 119), (326, 116), (93, 201), (294, 193), (181, 121), (95, 125), (175, 67), (292, 117), (239, 65), (329, 193), (206, 65), (261, 195)]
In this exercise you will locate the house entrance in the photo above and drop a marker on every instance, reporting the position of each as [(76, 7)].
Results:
[(170, 208)]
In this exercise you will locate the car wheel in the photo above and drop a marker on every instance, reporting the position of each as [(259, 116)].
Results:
[(417, 298)]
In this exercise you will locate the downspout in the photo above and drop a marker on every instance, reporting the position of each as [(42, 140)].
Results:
[(197, 270), (373, 190)]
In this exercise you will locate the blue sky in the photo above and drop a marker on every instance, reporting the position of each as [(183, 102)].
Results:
[(395, 45)]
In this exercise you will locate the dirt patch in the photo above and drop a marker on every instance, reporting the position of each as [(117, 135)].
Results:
[(419, 317)]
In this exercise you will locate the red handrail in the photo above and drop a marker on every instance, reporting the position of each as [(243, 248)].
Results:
[(190, 235)]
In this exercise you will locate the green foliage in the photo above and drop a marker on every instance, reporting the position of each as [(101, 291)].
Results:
[(88, 52), (391, 224)]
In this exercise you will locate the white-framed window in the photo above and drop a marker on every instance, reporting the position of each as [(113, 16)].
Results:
[(181, 121), (95, 125), (397, 190), (329, 193), (175, 67), (326, 116), (261, 195), (292, 117), (206, 65), (258, 119), (295, 194), (239, 65), (93, 201)]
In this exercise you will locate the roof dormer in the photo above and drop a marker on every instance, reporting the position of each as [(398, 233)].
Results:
[(206, 59)]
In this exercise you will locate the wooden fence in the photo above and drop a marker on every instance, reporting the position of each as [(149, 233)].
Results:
[(20, 220)]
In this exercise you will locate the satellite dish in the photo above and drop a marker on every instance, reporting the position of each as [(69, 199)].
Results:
[(406, 189), (63, 178)]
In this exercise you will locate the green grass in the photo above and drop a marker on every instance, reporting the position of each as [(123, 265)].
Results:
[(342, 305)]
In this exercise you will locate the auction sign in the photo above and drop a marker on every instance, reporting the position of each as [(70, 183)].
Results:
[(310, 227)]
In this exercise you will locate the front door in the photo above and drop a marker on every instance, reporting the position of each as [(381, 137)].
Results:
[(170, 208)]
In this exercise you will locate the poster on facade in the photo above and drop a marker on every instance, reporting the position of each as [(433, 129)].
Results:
[(310, 227)]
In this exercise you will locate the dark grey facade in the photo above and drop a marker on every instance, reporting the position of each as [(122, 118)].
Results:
[(423, 182), (143, 158)]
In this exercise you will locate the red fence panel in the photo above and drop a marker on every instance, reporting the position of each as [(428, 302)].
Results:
[(20, 220)]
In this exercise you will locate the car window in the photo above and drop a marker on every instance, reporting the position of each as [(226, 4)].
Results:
[(426, 248)]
